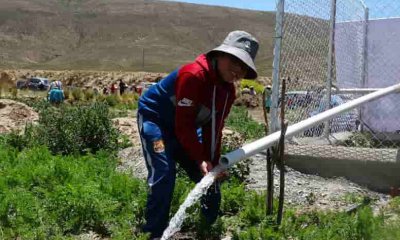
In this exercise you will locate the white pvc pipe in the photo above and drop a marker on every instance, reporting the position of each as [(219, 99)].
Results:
[(257, 146), (356, 90)]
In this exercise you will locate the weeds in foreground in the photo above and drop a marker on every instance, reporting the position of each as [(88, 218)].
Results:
[(52, 197)]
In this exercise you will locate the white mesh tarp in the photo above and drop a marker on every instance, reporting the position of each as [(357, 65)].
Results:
[(383, 69)]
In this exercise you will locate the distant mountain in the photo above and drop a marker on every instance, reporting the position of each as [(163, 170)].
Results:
[(126, 35)]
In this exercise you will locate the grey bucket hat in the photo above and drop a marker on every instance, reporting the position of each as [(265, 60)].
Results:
[(243, 46)]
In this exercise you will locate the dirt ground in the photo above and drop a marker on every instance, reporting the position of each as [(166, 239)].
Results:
[(310, 191), (15, 115)]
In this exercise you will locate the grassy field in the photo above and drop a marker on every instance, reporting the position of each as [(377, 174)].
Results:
[(47, 192)]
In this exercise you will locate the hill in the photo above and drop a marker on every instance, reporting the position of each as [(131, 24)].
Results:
[(121, 35)]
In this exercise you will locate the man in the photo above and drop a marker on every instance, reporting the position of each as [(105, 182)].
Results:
[(181, 118)]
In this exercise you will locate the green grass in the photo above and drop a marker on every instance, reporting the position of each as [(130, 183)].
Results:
[(48, 196), (248, 83), (43, 196), (240, 121), (53, 197)]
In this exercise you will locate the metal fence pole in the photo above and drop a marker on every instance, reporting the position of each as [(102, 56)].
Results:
[(280, 11), (330, 65), (365, 62)]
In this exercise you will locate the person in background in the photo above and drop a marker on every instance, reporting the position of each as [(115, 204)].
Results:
[(252, 91), (113, 88), (55, 94), (105, 90), (133, 88), (267, 97), (180, 119), (122, 87), (139, 89)]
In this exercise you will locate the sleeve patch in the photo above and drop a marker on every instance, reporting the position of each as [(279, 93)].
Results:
[(158, 146)]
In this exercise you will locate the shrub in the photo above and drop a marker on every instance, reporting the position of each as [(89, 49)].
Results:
[(20, 140), (112, 100), (67, 93), (77, 94), (67, 130), (88, 94), (78, 129), (128, 98), (14, 92)]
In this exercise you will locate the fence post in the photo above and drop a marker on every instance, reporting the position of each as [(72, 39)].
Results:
[(280, 11), (364, 63), (330, 65)]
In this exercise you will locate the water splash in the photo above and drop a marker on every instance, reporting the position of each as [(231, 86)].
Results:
[(199, 190)]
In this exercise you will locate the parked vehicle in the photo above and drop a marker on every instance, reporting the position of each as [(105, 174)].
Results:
[(34, 83), (21, 84), (295, 99), (342, 123)]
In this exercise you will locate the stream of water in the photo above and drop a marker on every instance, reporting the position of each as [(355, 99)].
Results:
[(199, 190)]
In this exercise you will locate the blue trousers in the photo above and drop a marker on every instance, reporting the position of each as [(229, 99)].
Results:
[(161, 152)]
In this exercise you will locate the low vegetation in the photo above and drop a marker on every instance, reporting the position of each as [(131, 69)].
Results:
[(239, 120), (251, 83), (69, 129), (52, 191), (46, 196), (368, 140)]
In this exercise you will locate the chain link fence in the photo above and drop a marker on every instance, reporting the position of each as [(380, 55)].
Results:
[(332, 49)]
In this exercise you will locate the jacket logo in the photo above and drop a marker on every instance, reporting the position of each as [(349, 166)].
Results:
[(247, 44), (185, 102)]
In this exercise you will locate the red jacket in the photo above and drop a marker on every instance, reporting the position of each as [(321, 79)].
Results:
[(194, 91)]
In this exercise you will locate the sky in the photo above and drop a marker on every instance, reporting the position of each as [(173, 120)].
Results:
[(378, 8)]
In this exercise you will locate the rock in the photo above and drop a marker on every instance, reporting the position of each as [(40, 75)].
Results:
[(132, 161), (15, 115), (231, 139), (128, 126), (7, 79), (248, 100)]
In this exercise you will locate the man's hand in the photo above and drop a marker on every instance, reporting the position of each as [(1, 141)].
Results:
[(205, 167)]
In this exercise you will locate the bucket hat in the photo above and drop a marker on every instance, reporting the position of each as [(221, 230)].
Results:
[(243, 46)]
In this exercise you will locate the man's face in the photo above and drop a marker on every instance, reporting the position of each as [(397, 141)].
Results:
[(231, 68)]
